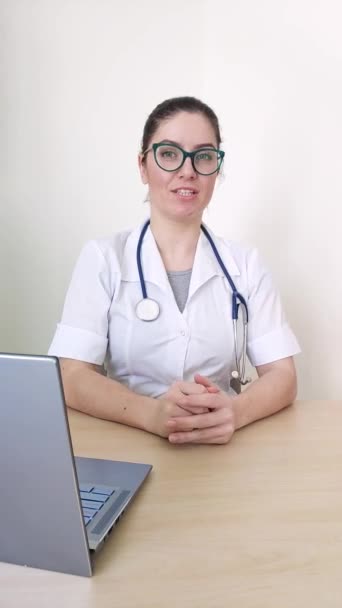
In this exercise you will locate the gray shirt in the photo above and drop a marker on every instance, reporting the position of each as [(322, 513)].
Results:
[(180, 282)]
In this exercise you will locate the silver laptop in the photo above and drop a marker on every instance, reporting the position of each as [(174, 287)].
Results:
[(56, 511)]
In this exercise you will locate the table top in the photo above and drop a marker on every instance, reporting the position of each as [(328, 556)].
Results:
[(256, 523)]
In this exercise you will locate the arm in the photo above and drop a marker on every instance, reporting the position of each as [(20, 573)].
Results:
[(86, 389), (274, 389)]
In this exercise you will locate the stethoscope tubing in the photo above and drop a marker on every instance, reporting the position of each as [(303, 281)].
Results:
[(140, 270), (236, 295)]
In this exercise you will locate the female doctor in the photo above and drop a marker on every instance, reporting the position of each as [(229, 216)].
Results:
[(155, 305)]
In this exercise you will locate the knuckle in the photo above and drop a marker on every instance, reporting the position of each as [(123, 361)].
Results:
[(227, 414), (224, 440), (225, 437)]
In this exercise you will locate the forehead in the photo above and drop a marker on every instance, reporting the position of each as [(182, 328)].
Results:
[(188, 129)]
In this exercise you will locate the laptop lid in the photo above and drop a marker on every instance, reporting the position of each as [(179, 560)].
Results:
[(41, 520)]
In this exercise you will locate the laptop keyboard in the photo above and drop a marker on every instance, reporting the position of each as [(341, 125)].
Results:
[(93, 498)]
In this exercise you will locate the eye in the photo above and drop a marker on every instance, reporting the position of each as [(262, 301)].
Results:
[(167, 153), (206, 155), (168, 156)]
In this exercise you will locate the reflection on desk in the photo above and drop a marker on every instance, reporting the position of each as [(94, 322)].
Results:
[(256, 523)]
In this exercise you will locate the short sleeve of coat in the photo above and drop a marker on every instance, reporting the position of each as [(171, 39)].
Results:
[(269, 336), (83, 331)]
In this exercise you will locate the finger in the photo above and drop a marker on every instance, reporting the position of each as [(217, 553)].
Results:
[(209, 435), (213, 389), (200, 421), (204, 381), (194, 410), (209, 400), (191, 388), (215, 440)]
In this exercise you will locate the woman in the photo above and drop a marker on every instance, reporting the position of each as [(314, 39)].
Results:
[(169, 356)]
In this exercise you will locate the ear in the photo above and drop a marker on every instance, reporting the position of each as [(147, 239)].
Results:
[(142, 169)]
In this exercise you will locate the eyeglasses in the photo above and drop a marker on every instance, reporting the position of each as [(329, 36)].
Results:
[(171, 157)]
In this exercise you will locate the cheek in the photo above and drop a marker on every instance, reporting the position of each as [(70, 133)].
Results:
[(158, 179), (209, 186)]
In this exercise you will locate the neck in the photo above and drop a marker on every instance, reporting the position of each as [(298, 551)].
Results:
[(176, 241)]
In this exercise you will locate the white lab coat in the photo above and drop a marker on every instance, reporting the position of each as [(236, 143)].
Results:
[(99, 323)]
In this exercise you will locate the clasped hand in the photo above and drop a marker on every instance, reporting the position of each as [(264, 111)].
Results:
[(197, 412)]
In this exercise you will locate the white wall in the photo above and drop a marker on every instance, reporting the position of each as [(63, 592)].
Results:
[(276, 81), (78, 80)]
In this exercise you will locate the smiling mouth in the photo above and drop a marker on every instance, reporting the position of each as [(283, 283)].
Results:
[(185, 191)]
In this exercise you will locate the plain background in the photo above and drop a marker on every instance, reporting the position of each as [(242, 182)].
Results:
[(78, 80)]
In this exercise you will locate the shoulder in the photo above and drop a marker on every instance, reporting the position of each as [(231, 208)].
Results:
[(112, 248), (245, 265), (107, 251), (246, 257), (100, 262)]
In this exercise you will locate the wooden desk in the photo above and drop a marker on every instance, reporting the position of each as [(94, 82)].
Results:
[(253, 524)]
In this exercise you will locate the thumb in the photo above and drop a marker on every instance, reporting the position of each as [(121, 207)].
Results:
[(213, 389), (206, 382)]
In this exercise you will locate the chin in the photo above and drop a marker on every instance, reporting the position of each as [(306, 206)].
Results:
[(187, 215)]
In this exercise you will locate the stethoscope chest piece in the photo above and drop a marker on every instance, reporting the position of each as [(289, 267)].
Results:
[(147, 310)]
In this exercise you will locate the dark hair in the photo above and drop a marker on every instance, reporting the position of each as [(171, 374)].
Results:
[(169, 108)]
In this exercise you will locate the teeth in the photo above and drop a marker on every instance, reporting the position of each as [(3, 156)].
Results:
[(185, 192)]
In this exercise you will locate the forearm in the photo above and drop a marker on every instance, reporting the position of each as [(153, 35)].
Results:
[(90, 392), (275, 389)]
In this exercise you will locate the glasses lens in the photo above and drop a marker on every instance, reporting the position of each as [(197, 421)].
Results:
[(169, 157), (206, 161)]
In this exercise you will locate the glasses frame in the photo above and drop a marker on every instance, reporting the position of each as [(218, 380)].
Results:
[(186, 155)]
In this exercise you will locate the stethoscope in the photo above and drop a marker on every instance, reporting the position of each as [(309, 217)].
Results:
[(149, 310)]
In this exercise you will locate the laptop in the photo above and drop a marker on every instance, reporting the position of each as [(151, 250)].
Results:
[(56, 511)]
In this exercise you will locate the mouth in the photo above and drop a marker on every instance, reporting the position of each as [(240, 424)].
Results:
[(185, 192)]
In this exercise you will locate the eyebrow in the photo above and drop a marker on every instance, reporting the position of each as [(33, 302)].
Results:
[(170, 141)]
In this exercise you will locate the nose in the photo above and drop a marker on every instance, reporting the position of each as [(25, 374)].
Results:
[(187, 171)]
